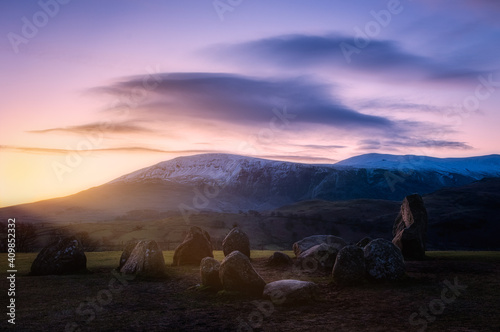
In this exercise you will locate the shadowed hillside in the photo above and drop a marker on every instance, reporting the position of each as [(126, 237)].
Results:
[(459, 218)]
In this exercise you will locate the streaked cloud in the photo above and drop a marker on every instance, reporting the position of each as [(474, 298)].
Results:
[(53, 151), (387, 58), (102, 127), (407, 142), (239, 99), (398, 105), (216, 100), (321, 147), (126, 149), (369, 144), (429, 143)]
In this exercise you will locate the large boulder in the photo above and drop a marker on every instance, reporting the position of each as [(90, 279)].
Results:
[(349, 267), (236, 240), (237, 274), (384, 260), (209, 272), (279, 259), (291, 292), (194, 248), (321, 256), (129, 247), (62, 256), (410, 228), (311, 241), (146, 259)]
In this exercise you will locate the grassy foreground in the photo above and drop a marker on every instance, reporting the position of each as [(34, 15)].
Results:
[(110, 259), (101, 301)]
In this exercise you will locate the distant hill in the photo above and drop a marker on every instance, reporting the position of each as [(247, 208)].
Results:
[(231, 183), (476, 167), (467, 217), (463, 218)]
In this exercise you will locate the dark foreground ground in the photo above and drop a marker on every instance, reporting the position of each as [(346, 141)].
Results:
[(102, 302)]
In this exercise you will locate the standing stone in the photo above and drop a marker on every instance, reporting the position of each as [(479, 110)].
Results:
[(311, 241), (321, 256), (194, 248), (62, 256), (146, 259), (291, 292), (384, 260), (410, 228), (349, 268), (278, 259), (237, 274), (129, 247), (236, 240), (209, 272)]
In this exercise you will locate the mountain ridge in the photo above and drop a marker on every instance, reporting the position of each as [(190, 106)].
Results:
[(232, 183), (488, 165), (480, 165)]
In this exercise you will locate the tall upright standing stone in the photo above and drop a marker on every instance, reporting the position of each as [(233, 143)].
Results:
[(194, 248), (410, 228), (236, 240), (145, 259), (129, 247)]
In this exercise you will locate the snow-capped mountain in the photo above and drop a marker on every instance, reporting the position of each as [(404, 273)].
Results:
[(239, 182), (221, 168), (225, 169), (477, 167), (231, 183), (243, 183)]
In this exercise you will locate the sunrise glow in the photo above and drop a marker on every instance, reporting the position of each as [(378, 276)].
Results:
[(91, 94)]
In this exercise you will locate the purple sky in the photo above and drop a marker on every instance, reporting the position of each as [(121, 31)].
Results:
[(95, 89)]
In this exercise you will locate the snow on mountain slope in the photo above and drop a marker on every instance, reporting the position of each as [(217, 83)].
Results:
[(222, 168), (477, 167), (251, 183), (225, 168)]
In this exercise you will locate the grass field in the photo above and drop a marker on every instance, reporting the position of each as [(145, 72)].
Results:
[(110, 259), (77, 302)]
